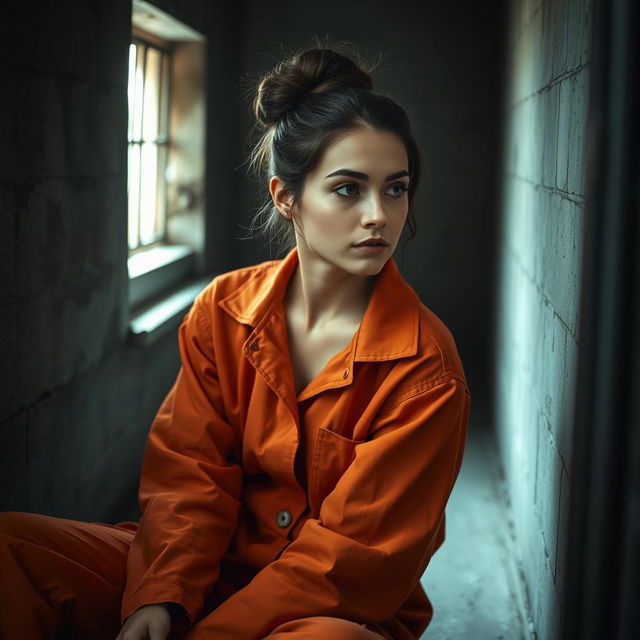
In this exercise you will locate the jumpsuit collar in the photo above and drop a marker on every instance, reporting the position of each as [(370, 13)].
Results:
[(389, 327)]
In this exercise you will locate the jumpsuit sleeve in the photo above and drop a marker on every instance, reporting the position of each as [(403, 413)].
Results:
[(189, 491), (375, 532)]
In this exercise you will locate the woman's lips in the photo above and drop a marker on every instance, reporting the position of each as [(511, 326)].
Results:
[(370, 249)]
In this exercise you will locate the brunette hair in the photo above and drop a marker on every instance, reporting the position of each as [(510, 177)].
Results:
[(307, 102)]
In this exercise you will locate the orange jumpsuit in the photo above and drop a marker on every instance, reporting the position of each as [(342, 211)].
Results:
[(269, 514)]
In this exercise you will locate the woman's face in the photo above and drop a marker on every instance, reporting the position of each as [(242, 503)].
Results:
[(357, 191)]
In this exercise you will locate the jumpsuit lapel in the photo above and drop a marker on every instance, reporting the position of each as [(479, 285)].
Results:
[(389, 328), (260, 304)]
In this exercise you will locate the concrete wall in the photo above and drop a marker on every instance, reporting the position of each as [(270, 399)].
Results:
[(76, 400), (540, 249), (443, 66)]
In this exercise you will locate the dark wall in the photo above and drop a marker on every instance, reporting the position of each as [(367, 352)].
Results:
[(444, 66), (77, 401)]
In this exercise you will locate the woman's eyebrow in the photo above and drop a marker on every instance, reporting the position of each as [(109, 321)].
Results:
[(364, 176)]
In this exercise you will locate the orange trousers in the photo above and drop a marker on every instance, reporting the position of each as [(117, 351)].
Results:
[(62, 578)]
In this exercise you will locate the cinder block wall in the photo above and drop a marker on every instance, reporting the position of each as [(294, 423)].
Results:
[(76, 401), (543, 191)]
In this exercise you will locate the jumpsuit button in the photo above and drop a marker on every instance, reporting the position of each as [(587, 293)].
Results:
[(345, 375), (254, 346), (283, 518)]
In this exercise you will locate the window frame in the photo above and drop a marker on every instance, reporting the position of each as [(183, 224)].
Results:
[(165, 275)]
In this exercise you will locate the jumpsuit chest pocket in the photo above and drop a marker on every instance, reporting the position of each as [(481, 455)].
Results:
[(332, 455)]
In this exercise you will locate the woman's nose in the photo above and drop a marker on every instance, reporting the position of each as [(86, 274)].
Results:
[(374, 211)]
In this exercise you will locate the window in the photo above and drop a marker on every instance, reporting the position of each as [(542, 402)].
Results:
[(166, 170), (148, 92)]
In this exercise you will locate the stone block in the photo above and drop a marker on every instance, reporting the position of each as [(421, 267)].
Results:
[(563, 532), (564, 123), (109, 125), (28, 340), (86, 313), (550, 98), (578, 33), (112, 20), (546, 51), (52, 451), (559, 10), (578, 110), (548, 489), (558, 270)]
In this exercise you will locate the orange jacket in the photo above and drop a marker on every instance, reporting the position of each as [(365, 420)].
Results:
[(260, 507)]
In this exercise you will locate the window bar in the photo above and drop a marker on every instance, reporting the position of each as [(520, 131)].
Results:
[(163, 124), (140, 174)]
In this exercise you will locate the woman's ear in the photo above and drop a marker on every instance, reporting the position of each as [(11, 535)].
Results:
[(280, 195)]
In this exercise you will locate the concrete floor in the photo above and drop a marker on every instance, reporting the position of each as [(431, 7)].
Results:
[(470, 580)]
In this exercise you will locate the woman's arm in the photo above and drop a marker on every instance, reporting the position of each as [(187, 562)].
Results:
[(189, 492), (376, 530)]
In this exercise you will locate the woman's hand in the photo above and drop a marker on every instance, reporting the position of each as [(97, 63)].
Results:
[(149, 622)]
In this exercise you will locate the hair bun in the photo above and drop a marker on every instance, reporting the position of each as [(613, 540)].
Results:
[(312, 71)]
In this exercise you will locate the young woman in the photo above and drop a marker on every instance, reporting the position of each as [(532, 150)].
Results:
[(295, 477)]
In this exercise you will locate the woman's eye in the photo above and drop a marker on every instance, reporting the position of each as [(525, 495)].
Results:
[(402, 188), (399, 186), (345, 186)]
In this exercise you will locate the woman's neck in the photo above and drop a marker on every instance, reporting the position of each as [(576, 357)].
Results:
[(322, 295)]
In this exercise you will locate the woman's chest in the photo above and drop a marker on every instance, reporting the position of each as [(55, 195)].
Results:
[(309, 354), (288, 386), (310, 351), (309, 439)]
